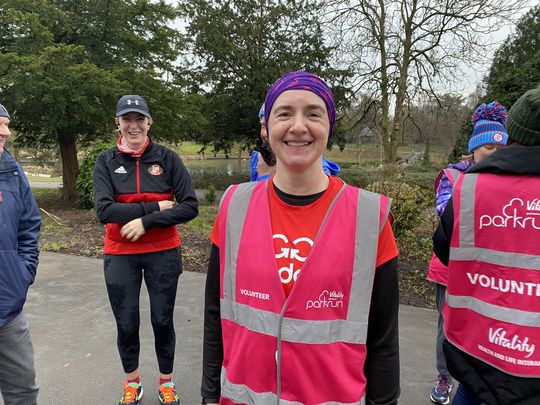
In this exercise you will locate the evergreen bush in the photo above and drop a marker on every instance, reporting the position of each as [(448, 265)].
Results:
[(85, 184)]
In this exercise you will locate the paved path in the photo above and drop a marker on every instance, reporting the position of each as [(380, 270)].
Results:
[(74, 336), (54, 184)]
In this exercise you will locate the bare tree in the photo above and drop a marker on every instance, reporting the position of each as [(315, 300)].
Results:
[(400, 49)]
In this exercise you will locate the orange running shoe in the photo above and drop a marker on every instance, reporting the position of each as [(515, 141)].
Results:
[(167, 394), (133, 393)]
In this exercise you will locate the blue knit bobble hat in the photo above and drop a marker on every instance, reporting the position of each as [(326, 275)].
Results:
[(261, 112), (488, 121), (3, 112)]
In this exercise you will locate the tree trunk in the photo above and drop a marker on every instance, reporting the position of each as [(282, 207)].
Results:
[(70, 168), (390, 149)]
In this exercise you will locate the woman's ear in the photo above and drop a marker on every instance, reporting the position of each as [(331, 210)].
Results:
[(117, 122), (150, 121)]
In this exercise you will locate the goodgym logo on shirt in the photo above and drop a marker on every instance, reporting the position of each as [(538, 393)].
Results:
[(291, 253)]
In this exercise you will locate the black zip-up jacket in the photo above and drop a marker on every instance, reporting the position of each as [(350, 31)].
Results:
[(127, 188), (489, 383)]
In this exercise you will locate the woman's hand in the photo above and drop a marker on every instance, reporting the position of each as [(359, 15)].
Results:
[(165, 205), (133, 230)]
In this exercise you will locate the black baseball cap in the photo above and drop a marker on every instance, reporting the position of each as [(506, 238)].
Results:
[(132, 103), (3, 111)]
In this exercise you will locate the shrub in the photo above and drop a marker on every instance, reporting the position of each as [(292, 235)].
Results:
[(220, 179), (210, 196), (357, 177), (425, 180), (410, 203), (84, 184)]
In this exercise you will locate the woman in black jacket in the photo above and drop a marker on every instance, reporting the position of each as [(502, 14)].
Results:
[(142, 191)]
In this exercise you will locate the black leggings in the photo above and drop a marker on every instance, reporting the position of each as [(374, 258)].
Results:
[(123, 276)]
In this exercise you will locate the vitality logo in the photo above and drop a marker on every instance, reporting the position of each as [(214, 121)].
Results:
[(500, 337)]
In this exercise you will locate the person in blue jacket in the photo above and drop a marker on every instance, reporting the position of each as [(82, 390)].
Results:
[(263, 169), (262, 161), (19, 233)]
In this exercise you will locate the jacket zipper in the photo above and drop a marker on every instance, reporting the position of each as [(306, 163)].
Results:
[(137, 176)]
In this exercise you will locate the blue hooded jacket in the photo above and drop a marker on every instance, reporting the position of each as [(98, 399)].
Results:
[(328, 166), (19, 234)]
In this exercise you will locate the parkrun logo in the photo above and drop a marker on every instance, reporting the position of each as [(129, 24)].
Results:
[(505, 285), (510, 217), (498, 337), (332, 299)]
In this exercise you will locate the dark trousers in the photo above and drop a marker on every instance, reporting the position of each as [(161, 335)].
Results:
[(464, 396), (123, 276), (17, 374)]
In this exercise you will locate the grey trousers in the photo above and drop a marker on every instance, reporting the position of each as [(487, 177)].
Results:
[(17, 373), (440, 290)]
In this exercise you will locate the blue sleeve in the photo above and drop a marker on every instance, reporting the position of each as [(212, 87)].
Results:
[(253, 161), (330, 167), (29, 226)]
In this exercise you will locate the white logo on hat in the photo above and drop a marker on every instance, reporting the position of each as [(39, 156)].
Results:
[(498, 137), (132, 101)]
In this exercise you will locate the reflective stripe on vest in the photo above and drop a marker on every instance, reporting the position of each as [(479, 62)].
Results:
[(490, 305), (352, 330), (452, 174), (245, 395)]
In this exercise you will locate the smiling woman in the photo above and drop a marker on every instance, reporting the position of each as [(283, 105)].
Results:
[(142, 191), (288, 274)]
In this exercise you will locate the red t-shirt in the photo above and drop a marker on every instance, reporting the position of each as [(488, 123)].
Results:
[(295, 227)]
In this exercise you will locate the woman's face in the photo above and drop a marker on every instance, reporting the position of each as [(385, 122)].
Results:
[(484, 151), (298, 130), (134, 127)]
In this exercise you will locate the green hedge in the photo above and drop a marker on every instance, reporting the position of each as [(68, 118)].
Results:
[(219, 179), (410, 203), (85, 185)]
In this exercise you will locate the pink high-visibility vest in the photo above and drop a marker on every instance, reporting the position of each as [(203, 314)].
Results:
[(492, 306), (438, 272), (310, 347)]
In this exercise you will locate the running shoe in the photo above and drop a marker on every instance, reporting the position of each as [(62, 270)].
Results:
[(440, 394), (167, 394), (133, 393)]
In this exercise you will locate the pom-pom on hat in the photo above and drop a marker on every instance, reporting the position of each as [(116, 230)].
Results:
[(488, 121)]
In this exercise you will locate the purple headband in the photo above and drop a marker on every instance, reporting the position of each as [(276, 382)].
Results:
[(301, 81)]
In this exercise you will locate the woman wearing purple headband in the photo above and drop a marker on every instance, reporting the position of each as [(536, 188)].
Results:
[(302, 292)]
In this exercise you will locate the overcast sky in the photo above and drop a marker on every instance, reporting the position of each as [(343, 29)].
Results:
[(473, 74)]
